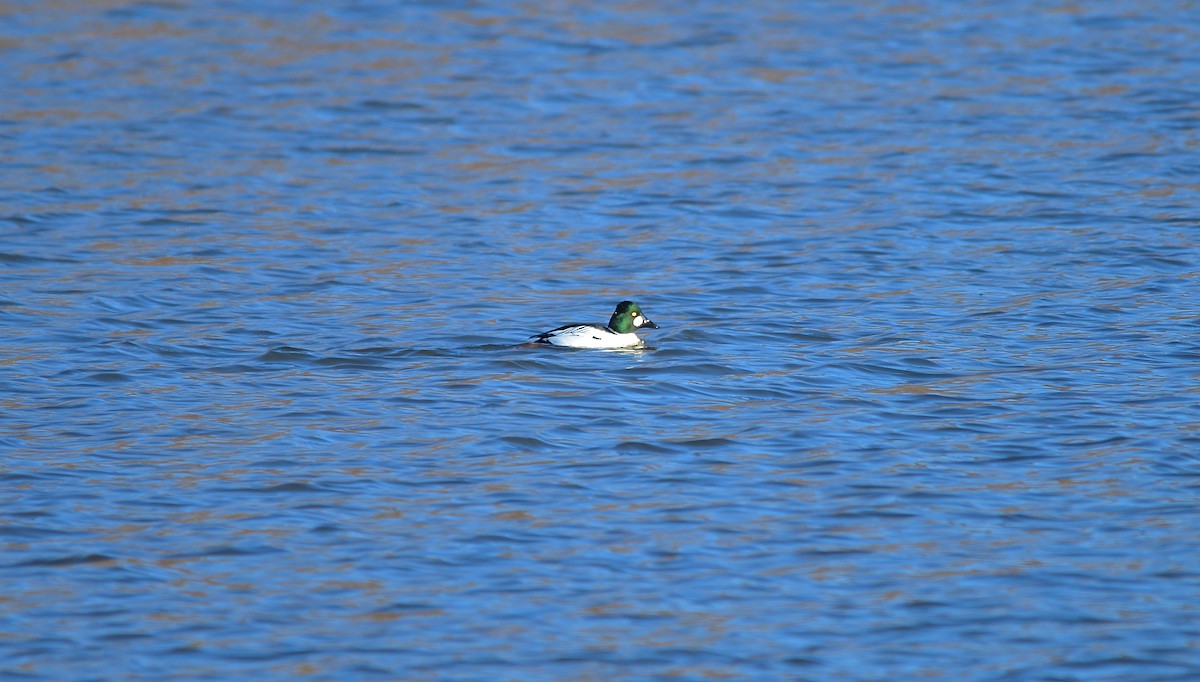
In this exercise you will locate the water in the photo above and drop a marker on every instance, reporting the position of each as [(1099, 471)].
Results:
[(923, 404)]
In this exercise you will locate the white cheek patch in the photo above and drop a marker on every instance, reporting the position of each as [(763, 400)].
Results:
[(637, 320)]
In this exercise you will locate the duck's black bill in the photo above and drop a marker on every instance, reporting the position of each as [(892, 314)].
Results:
[(647, 324)]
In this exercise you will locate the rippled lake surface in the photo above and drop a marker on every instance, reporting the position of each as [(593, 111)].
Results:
[(923, 404)]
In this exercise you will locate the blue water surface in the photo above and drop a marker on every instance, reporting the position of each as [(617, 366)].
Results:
[(923, 404)]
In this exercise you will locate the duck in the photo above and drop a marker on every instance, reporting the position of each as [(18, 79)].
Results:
[(618, 333)]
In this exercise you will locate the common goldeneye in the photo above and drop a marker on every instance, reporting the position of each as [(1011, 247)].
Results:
[(619, 333)]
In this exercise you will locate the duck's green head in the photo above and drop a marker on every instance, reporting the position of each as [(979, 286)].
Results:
[(628, 317)]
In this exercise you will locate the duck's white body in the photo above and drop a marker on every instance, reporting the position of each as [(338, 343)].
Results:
[(587, 336)]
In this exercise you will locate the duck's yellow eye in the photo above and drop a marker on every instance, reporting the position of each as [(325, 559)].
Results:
[(636, 313)]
